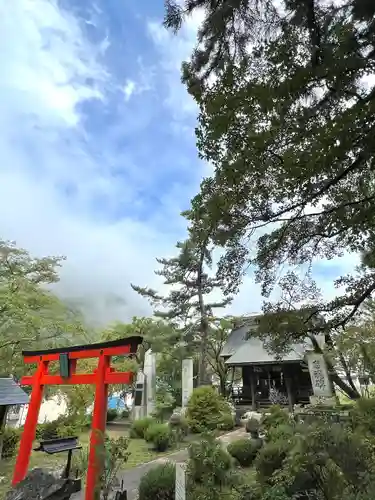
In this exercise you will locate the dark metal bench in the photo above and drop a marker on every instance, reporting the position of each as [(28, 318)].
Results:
[(60, 445)]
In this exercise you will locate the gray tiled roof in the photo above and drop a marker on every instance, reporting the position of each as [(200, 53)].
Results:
[(11, 393), (240, 350)]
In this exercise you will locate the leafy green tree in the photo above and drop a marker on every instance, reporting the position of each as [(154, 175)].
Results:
[(32, 317), (288, 125), (191, 284), (219, 332), (158, 335), (357, 344)]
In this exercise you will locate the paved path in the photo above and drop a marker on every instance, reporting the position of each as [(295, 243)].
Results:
[(133, 476)]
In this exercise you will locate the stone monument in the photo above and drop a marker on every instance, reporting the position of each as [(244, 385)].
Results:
[(320, 380), (187, 380), (139, 407), (150, 382)]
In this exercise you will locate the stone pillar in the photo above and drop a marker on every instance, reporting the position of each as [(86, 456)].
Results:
[(180, 482), (139, 408), (320, 380), (150, 374), (187, 380)]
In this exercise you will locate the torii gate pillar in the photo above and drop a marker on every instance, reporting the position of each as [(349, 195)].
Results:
[(101, 378)]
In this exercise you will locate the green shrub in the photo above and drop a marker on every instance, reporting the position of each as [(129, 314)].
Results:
[(179, 421), (209, 463), (10, 438), (363, 415), (159, 435), (244, 450), (281, 432), (158, 483), (227, 422), (48, 430), (125, 413), (140, 426), (275, 416), (179, 427), (205, 409), (64, 426), (270, 458), (111, 415)]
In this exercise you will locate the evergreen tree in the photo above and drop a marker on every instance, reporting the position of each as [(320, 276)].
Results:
[(288, 123), (188, 301)]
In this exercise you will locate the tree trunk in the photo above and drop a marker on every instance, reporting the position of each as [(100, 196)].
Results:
[(223, 388), (202, 367)]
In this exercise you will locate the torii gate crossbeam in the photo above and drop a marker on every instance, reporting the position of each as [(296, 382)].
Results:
[(102, 376)]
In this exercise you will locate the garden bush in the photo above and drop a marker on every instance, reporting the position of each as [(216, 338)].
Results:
[(179, 421), (206, 409), (227, 422), (159, 435), (158, 483), (320, 461), (244, 450), (179, 427), (10, 438), (48, 430), (363, 415), (140, 426), (125, 413), (282, 432), (270, 458), (209, 463), (111, 415), (274, 417)]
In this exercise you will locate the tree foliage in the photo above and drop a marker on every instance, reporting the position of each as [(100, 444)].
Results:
[(32, 317), (189, 302), (219, 332), (288, 125)]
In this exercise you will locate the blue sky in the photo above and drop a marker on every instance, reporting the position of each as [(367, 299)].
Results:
[(97, 145)]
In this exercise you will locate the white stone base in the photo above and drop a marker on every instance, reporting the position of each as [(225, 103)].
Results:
[(323, 400), (138, 412)]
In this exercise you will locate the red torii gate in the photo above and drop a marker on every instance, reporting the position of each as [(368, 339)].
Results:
[(102, 376)]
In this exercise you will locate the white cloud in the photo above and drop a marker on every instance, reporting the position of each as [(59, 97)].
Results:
[(174, 50), (129, 89), (49, 71)]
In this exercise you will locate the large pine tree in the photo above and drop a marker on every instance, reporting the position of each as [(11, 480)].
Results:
[(189, 300), (289, 125)]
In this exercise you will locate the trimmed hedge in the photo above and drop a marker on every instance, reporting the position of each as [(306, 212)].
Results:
[(10, 438), (244, 450), (160, 435), (206, 409), (158, 483), (140, 426)]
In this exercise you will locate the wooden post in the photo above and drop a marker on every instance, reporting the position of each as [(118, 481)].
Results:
[(289, 388), (253, 388)]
